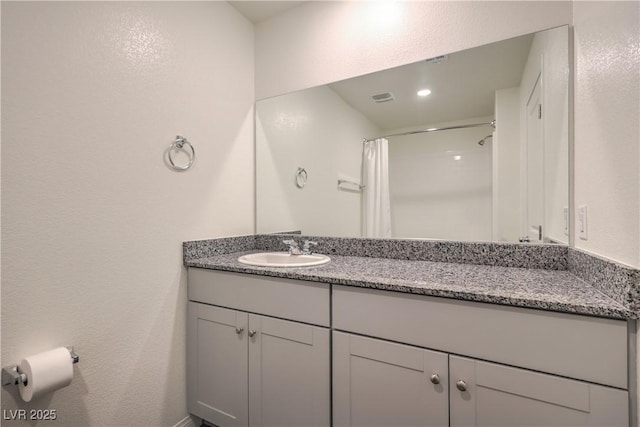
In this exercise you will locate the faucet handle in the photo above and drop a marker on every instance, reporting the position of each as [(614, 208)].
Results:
[(306, 248), (294, 249)]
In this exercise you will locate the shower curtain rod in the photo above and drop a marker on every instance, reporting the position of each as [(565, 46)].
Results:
[(413, 132)]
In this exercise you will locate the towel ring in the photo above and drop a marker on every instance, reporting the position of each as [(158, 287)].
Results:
[(179, 144)]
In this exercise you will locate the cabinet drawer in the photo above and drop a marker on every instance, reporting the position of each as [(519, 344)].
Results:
[(588, 348), (298, 300)]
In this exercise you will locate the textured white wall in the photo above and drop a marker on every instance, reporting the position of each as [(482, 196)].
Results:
[(316, 130), (607, 126), (321, 42), (93, 220)]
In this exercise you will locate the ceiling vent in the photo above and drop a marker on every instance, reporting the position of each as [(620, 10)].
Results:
[(437, 59), (383, 97)]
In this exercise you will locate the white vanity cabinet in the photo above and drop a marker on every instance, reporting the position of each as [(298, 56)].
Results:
[(552, 369), (248, 364), (266, 351)]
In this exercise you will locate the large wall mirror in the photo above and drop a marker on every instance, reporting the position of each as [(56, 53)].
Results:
[(482, 154)]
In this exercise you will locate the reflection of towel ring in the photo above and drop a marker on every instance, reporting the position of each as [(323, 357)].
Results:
[(301, 177), (179, 144)]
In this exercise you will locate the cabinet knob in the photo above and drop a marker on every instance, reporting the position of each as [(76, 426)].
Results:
[(252, 332), (239, 330), (435, 379), (461, 385)]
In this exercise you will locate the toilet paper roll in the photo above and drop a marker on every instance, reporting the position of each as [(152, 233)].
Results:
[(45, 372)]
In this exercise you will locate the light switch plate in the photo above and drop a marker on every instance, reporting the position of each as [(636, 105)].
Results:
[(582, 222)]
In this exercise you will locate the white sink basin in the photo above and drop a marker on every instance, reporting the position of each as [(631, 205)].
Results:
[(283, 259)]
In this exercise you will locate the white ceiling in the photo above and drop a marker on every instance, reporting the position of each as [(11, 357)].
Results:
[(258, 11), (462, 86)]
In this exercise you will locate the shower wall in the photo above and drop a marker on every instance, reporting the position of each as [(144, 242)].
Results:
[(440, 183)]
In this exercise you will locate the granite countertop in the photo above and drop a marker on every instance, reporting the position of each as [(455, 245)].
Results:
[(554, 290)]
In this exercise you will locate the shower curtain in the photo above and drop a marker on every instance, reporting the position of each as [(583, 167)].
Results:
[(375, 177)]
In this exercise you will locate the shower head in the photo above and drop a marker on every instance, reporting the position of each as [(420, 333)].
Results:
[(483, 140)]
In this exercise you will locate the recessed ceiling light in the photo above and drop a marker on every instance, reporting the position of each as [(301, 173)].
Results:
[(424, 92), (457, 157)]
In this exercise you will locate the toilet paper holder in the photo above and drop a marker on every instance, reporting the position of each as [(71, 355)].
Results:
[(10, 374)]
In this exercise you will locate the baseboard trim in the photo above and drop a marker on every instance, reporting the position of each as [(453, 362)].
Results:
[(186, 422)]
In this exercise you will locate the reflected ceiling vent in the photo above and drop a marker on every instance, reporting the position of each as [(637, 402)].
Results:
[(383, 97), (437, 59)]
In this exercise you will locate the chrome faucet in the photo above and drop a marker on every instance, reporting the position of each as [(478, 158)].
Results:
[(294, 249)]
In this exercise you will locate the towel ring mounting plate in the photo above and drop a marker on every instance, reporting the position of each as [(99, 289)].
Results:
[(301, 177), (179, 145)]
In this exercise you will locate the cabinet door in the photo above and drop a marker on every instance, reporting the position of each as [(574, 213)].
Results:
[(496, 395), (379, 383), (289, 373), (217, 364)]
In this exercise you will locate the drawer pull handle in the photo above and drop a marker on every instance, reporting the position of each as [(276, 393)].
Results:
[(435, 379), (252, 332), (239, 330), (461, 385)]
